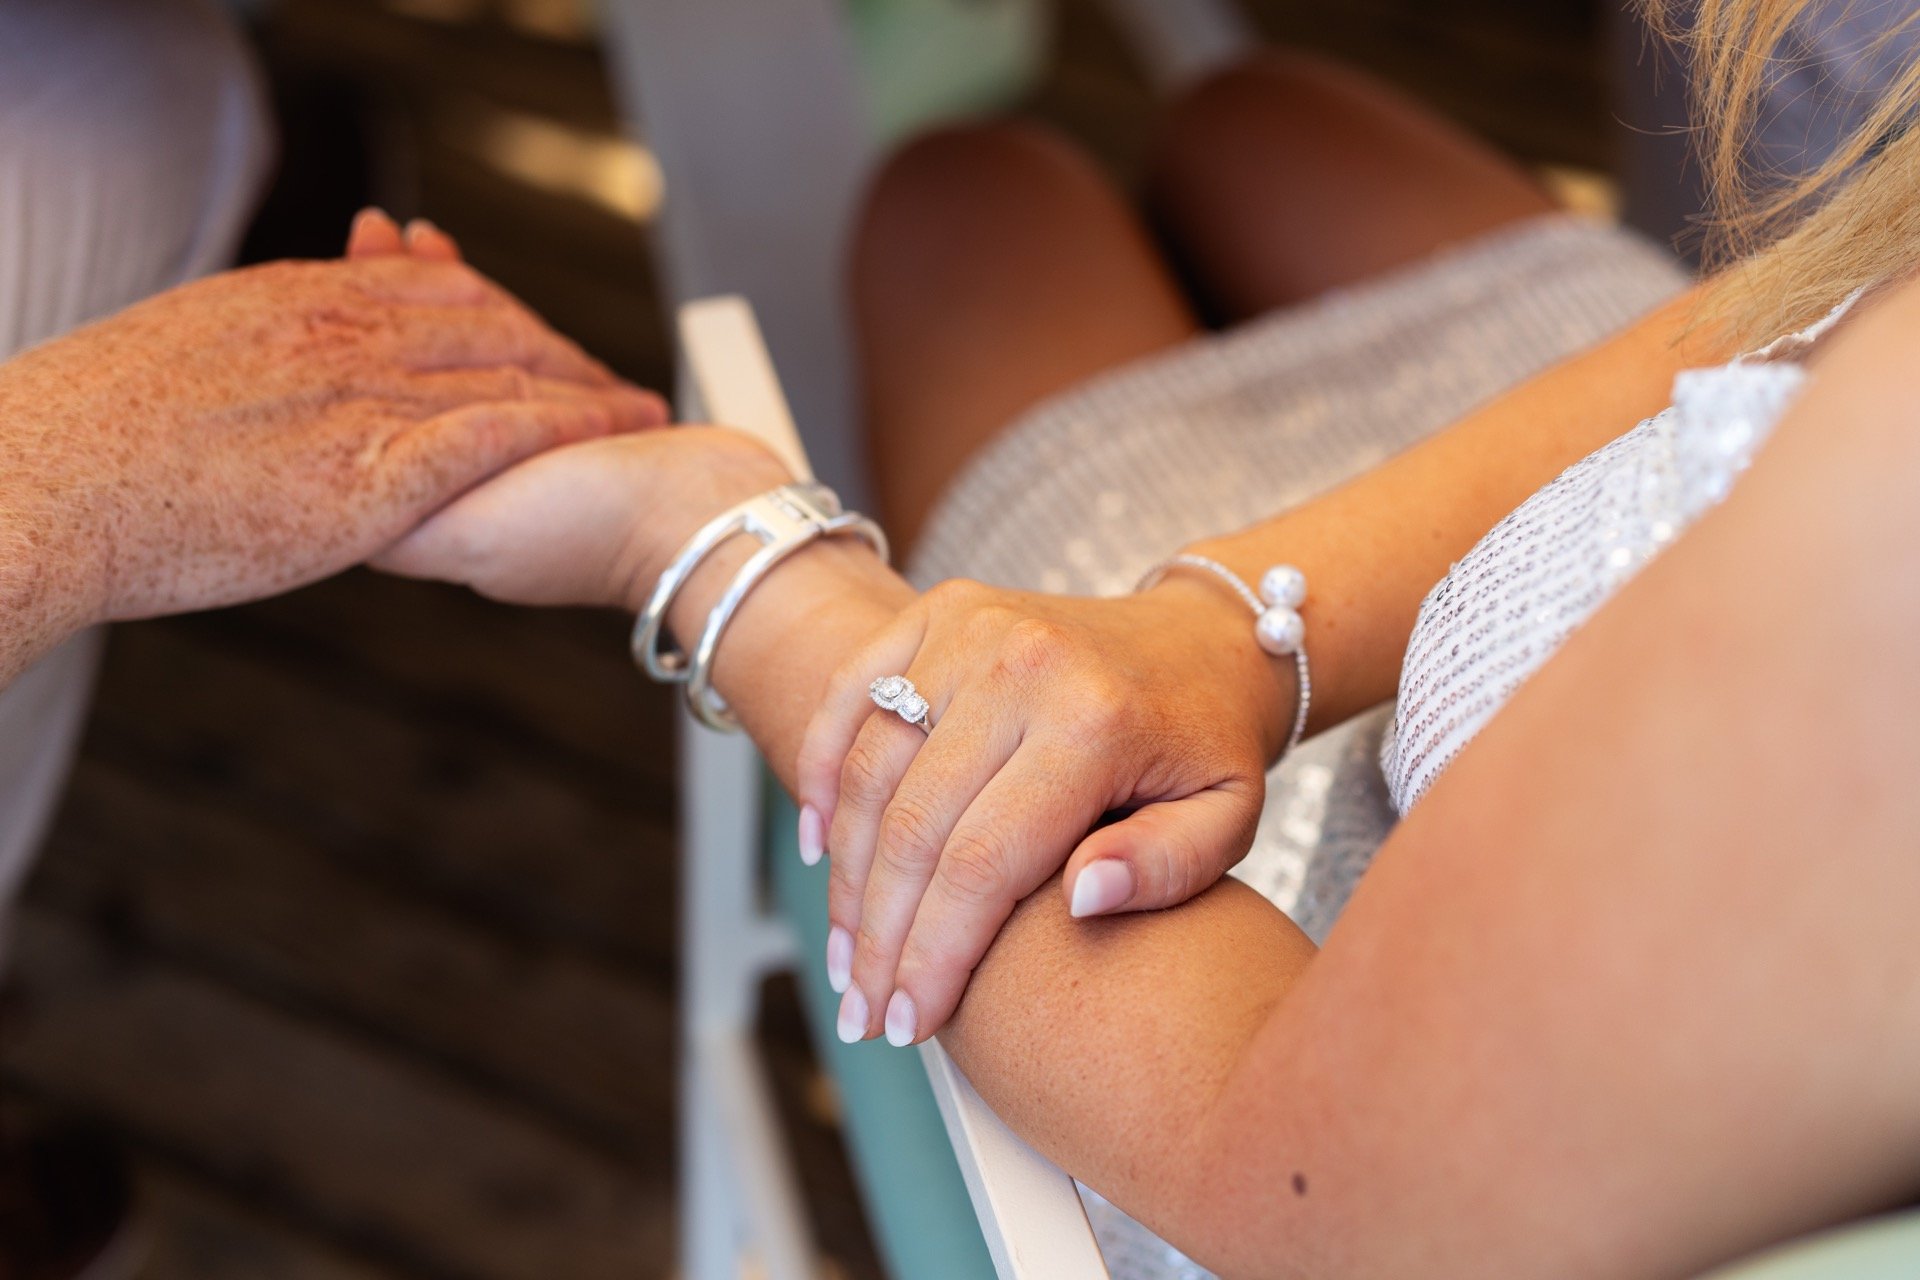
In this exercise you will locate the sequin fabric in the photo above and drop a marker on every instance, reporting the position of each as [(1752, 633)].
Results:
[(1086, 490), (1509, 604)]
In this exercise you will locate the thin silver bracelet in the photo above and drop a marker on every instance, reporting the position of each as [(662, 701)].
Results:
[(1277, 627), (784, 520)]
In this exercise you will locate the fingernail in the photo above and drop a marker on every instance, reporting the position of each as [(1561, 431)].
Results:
[(852, 1026), (839, 959), (420, 227), (1102, 886), (813, 840), (658, 412), (900, 1020)]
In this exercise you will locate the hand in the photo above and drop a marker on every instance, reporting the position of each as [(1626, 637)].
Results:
[(593, 523), (267, 427), (1048, 712)]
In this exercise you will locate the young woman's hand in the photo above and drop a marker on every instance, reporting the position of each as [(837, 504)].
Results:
[(1048, 713), (590, 524), (267, 427)]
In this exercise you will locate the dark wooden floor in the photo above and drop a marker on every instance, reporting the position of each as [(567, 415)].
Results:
[(357, 926)]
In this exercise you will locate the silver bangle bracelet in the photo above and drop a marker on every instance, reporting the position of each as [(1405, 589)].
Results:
[(1277, 627), (783, 520)]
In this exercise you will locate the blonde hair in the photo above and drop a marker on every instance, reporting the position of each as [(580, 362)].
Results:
[(1791, 246)]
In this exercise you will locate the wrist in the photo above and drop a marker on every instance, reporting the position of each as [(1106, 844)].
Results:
[(1223, 631), (733, 468)]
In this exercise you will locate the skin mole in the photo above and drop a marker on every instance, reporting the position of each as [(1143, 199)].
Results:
[(1299, 1184)]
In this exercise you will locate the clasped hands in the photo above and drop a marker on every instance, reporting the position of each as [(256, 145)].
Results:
[(265, 428), (1126, 739)]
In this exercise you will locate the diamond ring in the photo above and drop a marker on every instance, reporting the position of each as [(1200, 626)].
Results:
[(897, 694)]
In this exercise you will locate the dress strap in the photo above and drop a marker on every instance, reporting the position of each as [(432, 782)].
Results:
[(1797, 342)]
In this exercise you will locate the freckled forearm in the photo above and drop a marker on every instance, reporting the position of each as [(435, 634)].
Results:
[(40, 604), (46, 587)]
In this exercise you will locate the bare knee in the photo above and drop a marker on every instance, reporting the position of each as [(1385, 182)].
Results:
[(1289, 174), (1014, 153), (971, 187), (1279, 107)]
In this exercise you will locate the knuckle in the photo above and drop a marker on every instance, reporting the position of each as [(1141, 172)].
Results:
[(1155, 872), (866, 783), (974, 867), (870, 955), (928, 961), (843, 902), (1033, 647), (909, 836), (1101, 706), (988, 621), (953, 594), (848, 681)]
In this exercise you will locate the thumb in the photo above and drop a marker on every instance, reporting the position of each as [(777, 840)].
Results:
[(1162, 854)]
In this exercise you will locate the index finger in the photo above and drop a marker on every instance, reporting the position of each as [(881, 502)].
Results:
[(441, 338)]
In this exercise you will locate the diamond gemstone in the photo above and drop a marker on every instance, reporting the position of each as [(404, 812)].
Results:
[(912, 708), (887, 690)]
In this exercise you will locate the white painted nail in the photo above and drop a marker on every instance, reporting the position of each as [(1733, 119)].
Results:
[(852, 1024), (1101, 887), (901, 1020), (839, 959), (813, 839)]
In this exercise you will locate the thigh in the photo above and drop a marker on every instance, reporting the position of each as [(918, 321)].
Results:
[(993, 266), (1290, 175)]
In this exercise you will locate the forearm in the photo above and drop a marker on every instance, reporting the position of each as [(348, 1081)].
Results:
[(1107, 1042), (45, 588), (1374, 547), (1157, 1007), (54, 562)]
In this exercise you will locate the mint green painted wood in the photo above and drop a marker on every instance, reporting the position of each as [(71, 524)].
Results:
[(1878, 1249), (924, 61), (916, 1201)]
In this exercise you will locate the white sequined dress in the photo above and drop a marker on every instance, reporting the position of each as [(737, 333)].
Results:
[(1510, 603)]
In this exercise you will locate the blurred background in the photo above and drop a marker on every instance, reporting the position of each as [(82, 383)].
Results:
[(356, 929)]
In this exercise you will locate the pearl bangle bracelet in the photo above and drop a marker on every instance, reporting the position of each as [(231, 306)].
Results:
[(1278, 626), (784, 520)]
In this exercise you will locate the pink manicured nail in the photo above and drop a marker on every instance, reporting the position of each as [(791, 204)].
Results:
[(813, 836), (1101, 887), (852, 1024), (839, 959), (901, 1017)]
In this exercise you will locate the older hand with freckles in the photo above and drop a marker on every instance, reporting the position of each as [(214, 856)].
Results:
[(267, 427)]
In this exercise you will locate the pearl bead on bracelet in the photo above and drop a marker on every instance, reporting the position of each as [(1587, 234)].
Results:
[(1281, 630), (1278, 627)]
